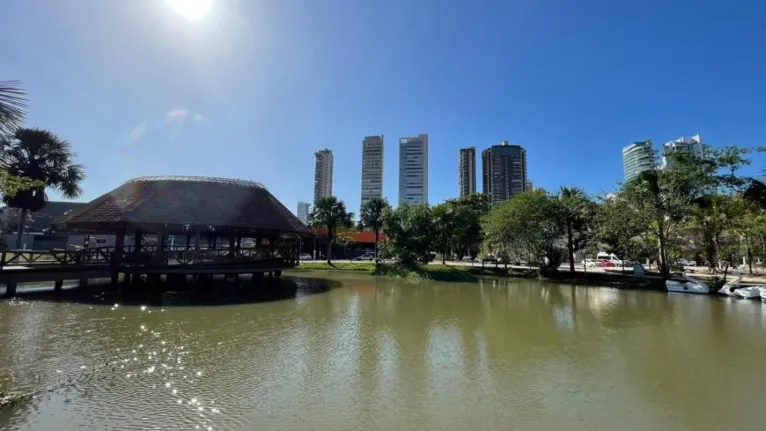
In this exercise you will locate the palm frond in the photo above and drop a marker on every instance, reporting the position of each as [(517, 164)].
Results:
[(13, 106)]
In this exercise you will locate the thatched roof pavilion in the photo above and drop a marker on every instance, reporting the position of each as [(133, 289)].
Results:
[(182, 205)]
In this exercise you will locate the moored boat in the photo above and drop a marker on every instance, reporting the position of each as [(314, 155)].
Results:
[(688, 285)]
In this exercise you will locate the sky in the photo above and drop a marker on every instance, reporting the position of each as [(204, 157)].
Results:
[(253, 88)]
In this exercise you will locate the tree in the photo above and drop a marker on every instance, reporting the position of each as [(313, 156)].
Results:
[(345, 236), (577, 214), (664, 197), (409, 235), (526, 226), (13, 106), (40, 156), (371, 217), (444, 220), (624, 228), (11, 185), (330, 213)]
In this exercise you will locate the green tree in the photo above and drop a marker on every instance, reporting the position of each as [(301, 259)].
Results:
[(43, 157), (330, 213), (526, 226), (624, 228), (577, 215), (471, 210), (409, 231), (665, 196), (13, 106), (11, 185), (445, 220), (371, 217)]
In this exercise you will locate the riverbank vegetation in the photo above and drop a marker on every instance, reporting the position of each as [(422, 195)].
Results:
[(10, 399), (694, 207)]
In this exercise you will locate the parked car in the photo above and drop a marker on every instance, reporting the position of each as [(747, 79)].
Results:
[(590, 263), (306, 256), (489, 258), (367, 256), (607, 263), (467, 259)]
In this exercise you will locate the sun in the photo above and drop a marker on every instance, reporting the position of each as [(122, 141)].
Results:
[(191, 9)]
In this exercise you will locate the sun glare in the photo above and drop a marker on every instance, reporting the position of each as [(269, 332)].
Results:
[(191, 9)]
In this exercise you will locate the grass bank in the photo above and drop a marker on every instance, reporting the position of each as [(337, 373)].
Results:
[(472, 273), (428, 272)]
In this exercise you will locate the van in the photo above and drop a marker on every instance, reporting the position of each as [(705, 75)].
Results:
[(612, 258)]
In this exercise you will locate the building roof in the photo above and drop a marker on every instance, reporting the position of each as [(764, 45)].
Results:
[(173, 204)]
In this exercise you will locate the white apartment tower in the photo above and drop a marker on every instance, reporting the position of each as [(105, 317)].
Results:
[(691, 145), (413, 169), (372, 168), (303, 212), (323, 175), (467, 171)]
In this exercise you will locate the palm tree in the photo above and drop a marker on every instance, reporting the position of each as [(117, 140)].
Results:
[(43, 157), (13, 106), (371, 217), (576, 212), (330, 213)]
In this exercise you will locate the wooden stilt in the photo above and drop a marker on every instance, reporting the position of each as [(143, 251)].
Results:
[(10, 289), (58, 286)]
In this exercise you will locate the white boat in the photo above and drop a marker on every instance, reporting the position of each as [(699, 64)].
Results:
[(733, 288), (689, 285), (763, 294), (729, 288), (748, 292)]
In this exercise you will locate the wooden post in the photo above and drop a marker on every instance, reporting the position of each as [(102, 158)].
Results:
[(119, 244), (10, 289), (58, 286)]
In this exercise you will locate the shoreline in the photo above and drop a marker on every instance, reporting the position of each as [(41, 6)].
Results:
[(449, 273)]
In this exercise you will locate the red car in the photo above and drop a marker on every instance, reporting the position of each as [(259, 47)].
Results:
[(606, 263)]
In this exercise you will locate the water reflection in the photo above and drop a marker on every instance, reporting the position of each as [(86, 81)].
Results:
[(379, 354)]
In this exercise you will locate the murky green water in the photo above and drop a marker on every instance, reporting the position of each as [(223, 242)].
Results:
[(381, 355)]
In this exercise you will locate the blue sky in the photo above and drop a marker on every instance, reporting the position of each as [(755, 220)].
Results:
[(255, 87)]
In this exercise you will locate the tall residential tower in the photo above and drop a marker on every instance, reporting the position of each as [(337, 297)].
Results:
[(467, 171), (413, 169), (372, 168), (504, 171), (691, 145), (303, 212), (638, 157), (323, 175)]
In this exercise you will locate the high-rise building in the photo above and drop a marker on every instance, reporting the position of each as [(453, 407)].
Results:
[(638, 157), (467, 171), (686, 145), (303, 212), (504, 171), (413, 169), (372, 168), (529, 186), (323, 175)]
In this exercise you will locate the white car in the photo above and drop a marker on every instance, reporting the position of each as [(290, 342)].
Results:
[(367, 256), (306, 256)]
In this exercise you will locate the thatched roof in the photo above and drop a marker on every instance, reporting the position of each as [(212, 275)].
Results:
[(173, 204)]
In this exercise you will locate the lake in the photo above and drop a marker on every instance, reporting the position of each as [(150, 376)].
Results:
[(337, 351)]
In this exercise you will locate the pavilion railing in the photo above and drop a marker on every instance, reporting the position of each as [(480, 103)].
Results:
[(150, 255)]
